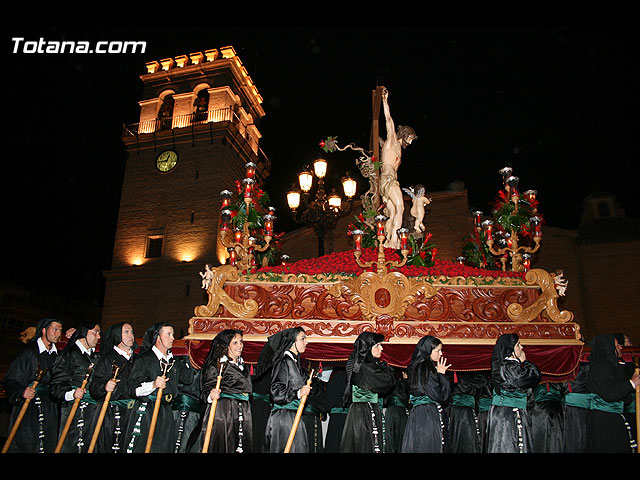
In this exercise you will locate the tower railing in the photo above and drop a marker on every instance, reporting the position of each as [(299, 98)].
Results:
[(180, 121)]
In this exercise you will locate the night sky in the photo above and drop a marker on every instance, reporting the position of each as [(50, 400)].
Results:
[(557, 103)]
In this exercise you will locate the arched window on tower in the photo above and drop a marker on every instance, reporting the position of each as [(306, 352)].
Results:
[(201, 106), (165, 112)]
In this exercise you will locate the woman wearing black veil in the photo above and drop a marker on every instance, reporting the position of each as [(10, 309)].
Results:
[(116, 350), (368, 379), (281, 355), (609, 385), (512, 377), (154, 358), (232, 424), (429, 391)]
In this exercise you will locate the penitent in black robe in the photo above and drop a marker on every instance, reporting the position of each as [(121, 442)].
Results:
[(547, 418), (609, 385), (232, 430), (337, 412), (38, 430), (464, 421), (68, 373), (396, 413), (146, 368), (116, 418), (287, 378), (576, 403), (363, 430), (509, 423)]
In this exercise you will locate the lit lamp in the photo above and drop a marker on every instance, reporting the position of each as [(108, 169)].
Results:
[(238, 234), (526, 261), (225, 219), (357, 239), (380, 221), (506, 173), (334, 201), (232, 256), (403, 233), (349, 185), (460, 260), (248, 187), (487, 226), (320, 167), (306, 180), (226, 198), (512, 183), (284, 259), (251, 169), (268, 225), (293, 198)]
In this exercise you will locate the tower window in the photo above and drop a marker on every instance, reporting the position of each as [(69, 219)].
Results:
[(603, 210), (154, 246)]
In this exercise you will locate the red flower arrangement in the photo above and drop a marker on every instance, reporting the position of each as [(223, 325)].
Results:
[(345, 263)]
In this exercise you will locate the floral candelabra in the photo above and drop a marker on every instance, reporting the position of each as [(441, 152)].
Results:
[(381, 262), (238, 232), (516, 215)]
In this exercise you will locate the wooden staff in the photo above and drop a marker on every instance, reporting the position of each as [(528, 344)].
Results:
[(103, 412), (212, 412), (23, 410), (156, 408), (296, 420), (72, 412)]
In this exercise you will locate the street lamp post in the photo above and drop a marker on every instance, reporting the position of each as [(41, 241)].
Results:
[(322, 211)]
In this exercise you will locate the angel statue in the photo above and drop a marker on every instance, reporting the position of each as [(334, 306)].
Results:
[(560, 282), (419, 202), (207, 276)]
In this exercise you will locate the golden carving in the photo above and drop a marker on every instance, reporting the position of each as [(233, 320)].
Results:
[(546, 303), (218, 296), (365, 292)]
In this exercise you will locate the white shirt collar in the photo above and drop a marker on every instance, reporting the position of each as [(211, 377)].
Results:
[(160, 355), (239, 361), (42, 348), (84, 349), (124, 353)]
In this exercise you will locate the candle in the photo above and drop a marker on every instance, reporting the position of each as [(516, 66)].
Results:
[(512, 182), (232, 256), (248, 186), (284, 259), (487, 225), (226, 198), (526, 262), (357, 239), (251, 169), (537, 226), (380, 221), (238, 235), (403, 233), (505, 172), (460, 260), (225, 218), (477, 217), (268, 225)]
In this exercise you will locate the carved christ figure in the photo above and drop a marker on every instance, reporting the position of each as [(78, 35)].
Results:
[(391, 153)]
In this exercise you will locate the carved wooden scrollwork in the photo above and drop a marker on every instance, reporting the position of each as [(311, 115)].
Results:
[(386, 295), (218, 296), (547, 303)]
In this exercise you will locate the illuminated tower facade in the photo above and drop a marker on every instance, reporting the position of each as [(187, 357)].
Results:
[(198, 127)]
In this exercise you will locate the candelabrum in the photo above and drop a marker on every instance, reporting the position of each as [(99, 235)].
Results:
[(240, 241), (322, 211), (381, 262), (518, 212)]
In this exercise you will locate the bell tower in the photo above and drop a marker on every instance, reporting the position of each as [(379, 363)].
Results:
[(198, 127)]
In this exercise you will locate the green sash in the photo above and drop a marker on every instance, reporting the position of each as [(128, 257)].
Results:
[(510, 399), (542, 395), (597, 403), (339, 410), (420, 400), (396, 401), (243, 397), (484, 404), (186, 403), (581, 400), (463, 400), (287, 406)]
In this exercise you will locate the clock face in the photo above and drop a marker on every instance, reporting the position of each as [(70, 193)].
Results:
[(166, 161)]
